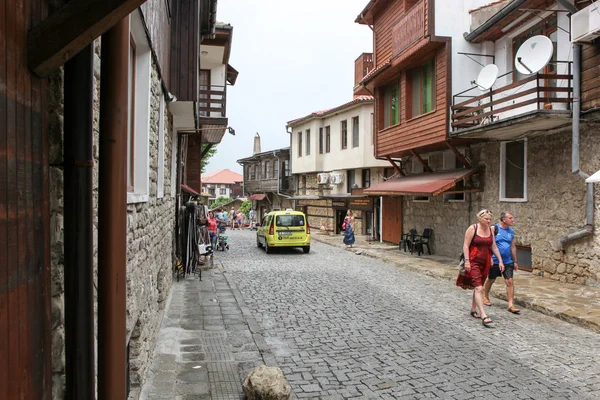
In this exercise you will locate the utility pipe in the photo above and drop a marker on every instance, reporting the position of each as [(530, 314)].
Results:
[(575, 147), (78, 232), (112, 214)]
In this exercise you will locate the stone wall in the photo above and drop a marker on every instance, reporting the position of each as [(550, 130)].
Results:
[(555, 207), (150, 230)]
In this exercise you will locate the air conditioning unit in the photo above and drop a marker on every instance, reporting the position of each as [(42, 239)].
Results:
[(337, 178), (585, 24), (322, 178)]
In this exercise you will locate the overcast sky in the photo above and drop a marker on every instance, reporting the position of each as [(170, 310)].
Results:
[(294, 57)]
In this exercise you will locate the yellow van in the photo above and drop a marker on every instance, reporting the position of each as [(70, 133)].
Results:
[(287, 228)]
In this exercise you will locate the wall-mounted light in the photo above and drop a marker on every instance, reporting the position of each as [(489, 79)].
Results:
[(204, 52), (231, 130)]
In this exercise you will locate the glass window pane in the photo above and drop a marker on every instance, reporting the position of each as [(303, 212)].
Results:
[(416, 92), (395, 106), (428, 87), (387, 100), (514, 173)]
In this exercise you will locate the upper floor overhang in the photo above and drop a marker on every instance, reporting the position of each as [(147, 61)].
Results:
[(187, 122), (492, 22), (216, 49)]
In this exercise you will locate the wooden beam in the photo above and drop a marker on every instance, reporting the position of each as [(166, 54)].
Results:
[(426, 167), (396, 167), (459, 155), (71, 28), (206, 150), (473, 190)]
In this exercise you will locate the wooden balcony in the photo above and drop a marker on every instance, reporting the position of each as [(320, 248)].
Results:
[(539, 102), (212, 101)]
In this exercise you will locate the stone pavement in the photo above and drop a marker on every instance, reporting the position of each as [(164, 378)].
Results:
[(207, 344), (576, 304)]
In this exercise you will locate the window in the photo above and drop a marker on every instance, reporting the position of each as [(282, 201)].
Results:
[(391, 105), (366, 178), (355, 132), (421, 89), (344, 134), (388, 173), (257, 172), (513, 171), (275, 168), (320, 140), (308, 142), (289, 220), (450, 161), (351, 179), (251, 174), (299, 144), (327, 139), (265, 170), (269, 169), (286, 168), (211, 191), (138, 127), (418, 168), (223, 191)]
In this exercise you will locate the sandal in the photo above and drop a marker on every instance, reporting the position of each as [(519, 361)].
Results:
[(475, 314), (487, 321), (486, 301), (513, 310)]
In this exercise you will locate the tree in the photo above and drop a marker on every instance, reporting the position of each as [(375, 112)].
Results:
[(220, 201), (245, 207), (207, 156)]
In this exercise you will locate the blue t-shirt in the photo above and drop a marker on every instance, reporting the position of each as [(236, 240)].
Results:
[(504, 239)]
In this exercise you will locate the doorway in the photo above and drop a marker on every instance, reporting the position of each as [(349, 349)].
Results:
[(392, 219), (339, 220)]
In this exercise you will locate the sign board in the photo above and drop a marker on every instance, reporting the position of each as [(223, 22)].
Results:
[(409, 29), (361, 204), (338, 203)]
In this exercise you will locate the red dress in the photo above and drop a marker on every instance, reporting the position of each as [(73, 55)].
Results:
[(480, 255)]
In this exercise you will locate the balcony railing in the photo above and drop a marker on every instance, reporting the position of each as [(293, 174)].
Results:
[(535, 92), (212, 101)]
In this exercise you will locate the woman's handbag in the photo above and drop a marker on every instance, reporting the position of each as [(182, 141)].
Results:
[(461, 260), (344, 226)]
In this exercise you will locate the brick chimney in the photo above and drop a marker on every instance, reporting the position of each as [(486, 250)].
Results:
[(362, 66), (256, 144)]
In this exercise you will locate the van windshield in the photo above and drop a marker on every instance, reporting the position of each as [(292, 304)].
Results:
[(289, 220)]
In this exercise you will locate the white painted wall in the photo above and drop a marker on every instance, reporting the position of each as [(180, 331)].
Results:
[(453, 20), (337, 159)]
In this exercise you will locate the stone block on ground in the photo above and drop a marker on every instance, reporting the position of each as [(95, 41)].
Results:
[(267, 383)]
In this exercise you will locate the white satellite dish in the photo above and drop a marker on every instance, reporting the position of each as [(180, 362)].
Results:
[(534, 55), (487, 77)]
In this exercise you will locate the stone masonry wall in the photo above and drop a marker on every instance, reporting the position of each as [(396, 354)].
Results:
[(555, 207), (150, 230)]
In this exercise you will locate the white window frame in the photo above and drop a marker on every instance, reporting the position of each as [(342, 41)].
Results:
[(160, 190), (445, 166), (503, 174), (141, 151)]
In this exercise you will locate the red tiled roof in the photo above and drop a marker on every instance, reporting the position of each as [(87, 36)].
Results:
[(189, 190), (222, 176), (257, 196), (321, 113)]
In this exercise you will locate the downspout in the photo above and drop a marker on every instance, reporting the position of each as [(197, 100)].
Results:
[(78, 232), (589, 224), (112, 214)]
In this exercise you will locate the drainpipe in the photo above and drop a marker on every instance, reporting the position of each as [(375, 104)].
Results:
[(112, 214), (589, 223), (78, 233)]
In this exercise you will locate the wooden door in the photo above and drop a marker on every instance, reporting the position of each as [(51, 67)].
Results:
[(392, 219)]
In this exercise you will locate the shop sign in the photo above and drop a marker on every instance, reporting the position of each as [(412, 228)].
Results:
[(361, 204), (338, 203)]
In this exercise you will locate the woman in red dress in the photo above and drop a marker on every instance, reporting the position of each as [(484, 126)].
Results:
[(478, 246)]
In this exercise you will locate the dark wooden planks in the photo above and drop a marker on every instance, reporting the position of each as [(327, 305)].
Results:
[(185, 42), (4, 311)]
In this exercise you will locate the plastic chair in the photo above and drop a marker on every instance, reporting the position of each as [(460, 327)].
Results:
[(406, 239), (422, 240)]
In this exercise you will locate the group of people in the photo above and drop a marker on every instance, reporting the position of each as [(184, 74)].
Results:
[(490, 252)]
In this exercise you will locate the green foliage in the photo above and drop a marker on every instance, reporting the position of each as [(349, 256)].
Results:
[(245, 207), (207, 156), (219, 201)]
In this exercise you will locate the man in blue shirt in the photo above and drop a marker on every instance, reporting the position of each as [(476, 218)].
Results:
[(505, 240)]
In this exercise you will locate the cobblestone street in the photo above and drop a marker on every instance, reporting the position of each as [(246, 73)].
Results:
[(341, 325)]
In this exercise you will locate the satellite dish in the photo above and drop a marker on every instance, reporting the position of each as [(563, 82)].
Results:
[(534, 54), (487, 77)]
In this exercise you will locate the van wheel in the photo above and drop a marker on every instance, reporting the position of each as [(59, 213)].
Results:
[(267, 248), (258, 242), (306, 249)]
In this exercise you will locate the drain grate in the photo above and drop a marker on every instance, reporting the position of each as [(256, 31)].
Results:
[(224, 381)]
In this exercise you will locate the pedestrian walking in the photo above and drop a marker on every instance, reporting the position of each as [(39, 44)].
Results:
[(348, 227), (211, 223), (252, 215), (505, 240), (478, 247), (233, 217)]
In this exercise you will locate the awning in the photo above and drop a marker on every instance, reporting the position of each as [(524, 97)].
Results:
[(189, 190), (258, 196), (428, 183)]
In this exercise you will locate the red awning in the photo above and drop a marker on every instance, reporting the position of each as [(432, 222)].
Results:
[(428, 183), (258, 196), (189, 190)]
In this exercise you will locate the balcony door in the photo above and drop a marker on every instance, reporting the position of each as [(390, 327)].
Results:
[(204, 85)]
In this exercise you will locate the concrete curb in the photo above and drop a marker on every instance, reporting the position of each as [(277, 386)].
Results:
[(447, 271)]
